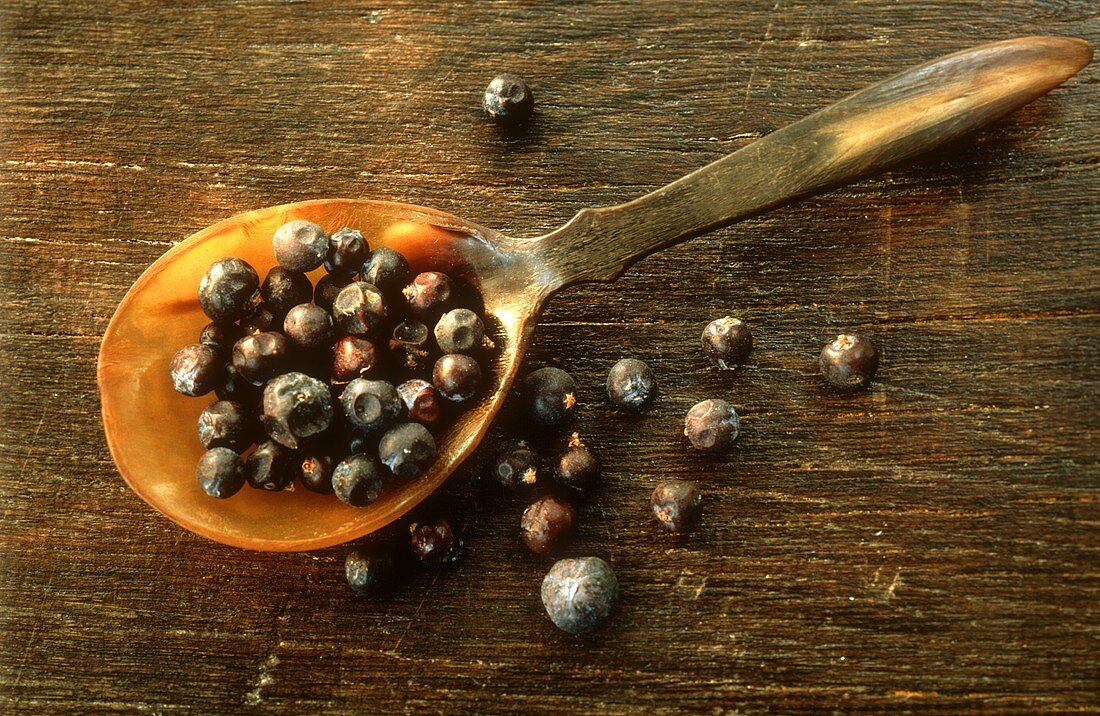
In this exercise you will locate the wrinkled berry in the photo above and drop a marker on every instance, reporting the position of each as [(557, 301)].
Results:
[(369, 571), (300, 245), (357, 480), (370, 404), (195, 369), (580, 594), (631, 385), (309, 327), (225, 424), (712, 425), (410, 347), (316, 472), (676, 505), (347, 250), (849, 361), (234, 387), (358, 308), (508, 100), (549, 396), (220, 472), (388, 270), (421, 400), (728, 342), (271, 467), (459, 331), (516, 466), (547, 524), (353, 357), (328, 288), (295, 407), (578, 467), (282, 290), (221, 335), (457, 377), (226, 289), (435, 544), (262, 356), (429, 293), (408, 450)]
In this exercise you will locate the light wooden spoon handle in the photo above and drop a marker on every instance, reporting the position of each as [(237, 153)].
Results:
[(864, 133)]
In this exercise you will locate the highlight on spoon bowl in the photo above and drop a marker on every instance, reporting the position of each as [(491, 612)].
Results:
[(150, 428)]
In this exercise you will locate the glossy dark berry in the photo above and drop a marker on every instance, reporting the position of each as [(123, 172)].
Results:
[(849, 361), (353, 357), (508, 100), (712, 425), (328, 288), (196, 369), (371, 404), (547, 524), (428, 294), (271, 467), (422, 402), (580, 594), (408, 450), (457, 377), (631, 385), (358, 308), (309, 327), (282, 290), (388, 270), (357, 480), (220, 473), (369, 571), (676, 505), (300, 245), (727, 342), (225, 424), (221, 335), (549, 396), (459, 331), (226, 289), (515, 466), (315, 470), (262, 356), (296, 406), (347, 250), (435, 544), (260, 319), (411, 348), (578, 468)]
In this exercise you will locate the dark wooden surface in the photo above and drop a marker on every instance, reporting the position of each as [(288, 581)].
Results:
[(930, 545)]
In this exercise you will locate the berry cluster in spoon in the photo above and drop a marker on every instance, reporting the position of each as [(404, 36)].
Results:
[(342, 386)]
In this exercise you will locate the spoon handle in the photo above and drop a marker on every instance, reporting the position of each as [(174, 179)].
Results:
[(866, 132)]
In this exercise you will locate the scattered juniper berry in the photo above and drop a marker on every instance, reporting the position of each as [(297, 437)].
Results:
[(549, 395), (515, 466), (712, 425), (369, 571), (676, 505), (421, 400), (508, 100), (221, 335), (353, 357), (283, 289), (347, 251), (457, 377), (388, 270), (727, 342), (225, 424), (358, 308), (428, 294), (849, 361), (459, 331), (371, 404), (578, 467), (316, 471), (271, 467), (309, 327), (328, 288), (262, 356), (435, 543), (580, 594), (547, 524), (407, 450), (296, 406), (631, 385)]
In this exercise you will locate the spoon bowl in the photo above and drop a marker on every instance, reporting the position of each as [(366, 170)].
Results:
[(150, 428)]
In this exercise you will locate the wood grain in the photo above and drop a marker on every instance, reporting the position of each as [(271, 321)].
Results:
[(930, 545)]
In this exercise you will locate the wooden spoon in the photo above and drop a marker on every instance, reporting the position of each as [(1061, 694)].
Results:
[(151, 429)]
